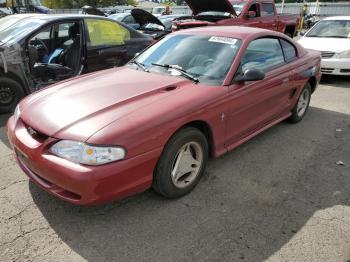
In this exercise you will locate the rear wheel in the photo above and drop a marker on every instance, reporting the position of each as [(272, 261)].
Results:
[(302, 106), (10, 94), (181, 164)]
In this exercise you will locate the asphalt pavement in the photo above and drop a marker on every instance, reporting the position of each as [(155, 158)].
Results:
[(282, 196)]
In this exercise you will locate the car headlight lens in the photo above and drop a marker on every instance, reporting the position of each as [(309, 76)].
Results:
[(345, 54), (85, 154), (16, 114)]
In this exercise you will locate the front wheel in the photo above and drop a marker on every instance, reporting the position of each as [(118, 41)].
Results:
[(181, 164), (302, 106), (10, 94)]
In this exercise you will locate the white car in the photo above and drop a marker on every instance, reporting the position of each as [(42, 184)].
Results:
[(331, 37)]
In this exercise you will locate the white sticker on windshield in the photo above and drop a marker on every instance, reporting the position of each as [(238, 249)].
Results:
[(223, 40)]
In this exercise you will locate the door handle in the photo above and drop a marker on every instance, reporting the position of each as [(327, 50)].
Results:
[(286, 80)]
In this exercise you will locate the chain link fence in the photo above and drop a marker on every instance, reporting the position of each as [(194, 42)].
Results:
[(320, 9)]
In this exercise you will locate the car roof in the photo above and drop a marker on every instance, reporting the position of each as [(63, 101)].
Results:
[(338, 18), (52, 17), (241, 32)]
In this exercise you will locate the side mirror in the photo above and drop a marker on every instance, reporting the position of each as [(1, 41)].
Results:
[(301, 33), (251, 74), (251, 14)]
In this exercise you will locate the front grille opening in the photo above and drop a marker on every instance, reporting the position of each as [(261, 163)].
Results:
[(327, 70), (327, 54), (344, 70), (35, 134)]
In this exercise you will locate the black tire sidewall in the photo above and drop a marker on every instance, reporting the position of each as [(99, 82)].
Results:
[(163, 183), (16, 89)]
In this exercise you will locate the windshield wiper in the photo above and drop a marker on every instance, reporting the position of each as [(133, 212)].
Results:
[(178, 68), (140, 65)]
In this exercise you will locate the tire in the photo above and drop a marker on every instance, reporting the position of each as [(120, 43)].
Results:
[(302, 106), (186, 146), (11, 92)]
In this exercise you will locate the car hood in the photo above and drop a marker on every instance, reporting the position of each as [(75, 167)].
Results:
[(325, 44), (89, 10), (199, 6), (78, 108), (143, 17)]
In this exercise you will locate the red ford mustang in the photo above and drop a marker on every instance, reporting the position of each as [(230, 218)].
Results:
[(195, 94)]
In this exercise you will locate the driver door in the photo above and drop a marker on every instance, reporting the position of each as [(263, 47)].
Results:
[(255, 104)]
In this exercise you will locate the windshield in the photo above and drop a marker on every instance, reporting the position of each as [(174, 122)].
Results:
[(14, 29), (214, 13), (154, 27), (238, 6), (118, 17), (158, 10), (36, 2), (331, 28), (207, 58)]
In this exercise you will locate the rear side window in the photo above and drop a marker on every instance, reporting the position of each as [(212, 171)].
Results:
[(106, 33), (290, 53), (264, 54), (267, 9)]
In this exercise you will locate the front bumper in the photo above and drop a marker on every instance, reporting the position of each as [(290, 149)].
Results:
[(78, 184), (335, 66)]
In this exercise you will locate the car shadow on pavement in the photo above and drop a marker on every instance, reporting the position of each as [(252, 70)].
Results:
[(336, 81), (3, 135), (250, 203)]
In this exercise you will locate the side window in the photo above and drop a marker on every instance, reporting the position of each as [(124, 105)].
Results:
[(267, 9), (264, 54), (63, 30), (290, 53), (106, 33), (43, 35), (256, 9), (129, 20)]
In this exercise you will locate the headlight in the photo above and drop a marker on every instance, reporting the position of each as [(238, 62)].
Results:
[(345, 54), (81, 153), (16, 114)]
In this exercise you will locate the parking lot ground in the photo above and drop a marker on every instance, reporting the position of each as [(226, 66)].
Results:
[(279, 197)]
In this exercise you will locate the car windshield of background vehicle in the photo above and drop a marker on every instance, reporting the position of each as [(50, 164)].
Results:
[(331, 28), (10, 32), (207, 58), (238, 6), (214, 13), (118, 17)]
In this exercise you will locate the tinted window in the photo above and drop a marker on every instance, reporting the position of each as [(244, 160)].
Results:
[(106, 33), (264, 54), (289, 51), (267, 9), (256, 9)]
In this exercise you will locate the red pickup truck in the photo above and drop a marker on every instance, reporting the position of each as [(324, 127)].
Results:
[(253, 13)]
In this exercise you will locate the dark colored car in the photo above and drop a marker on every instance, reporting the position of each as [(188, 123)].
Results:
[(195, 94), (39, 50)]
